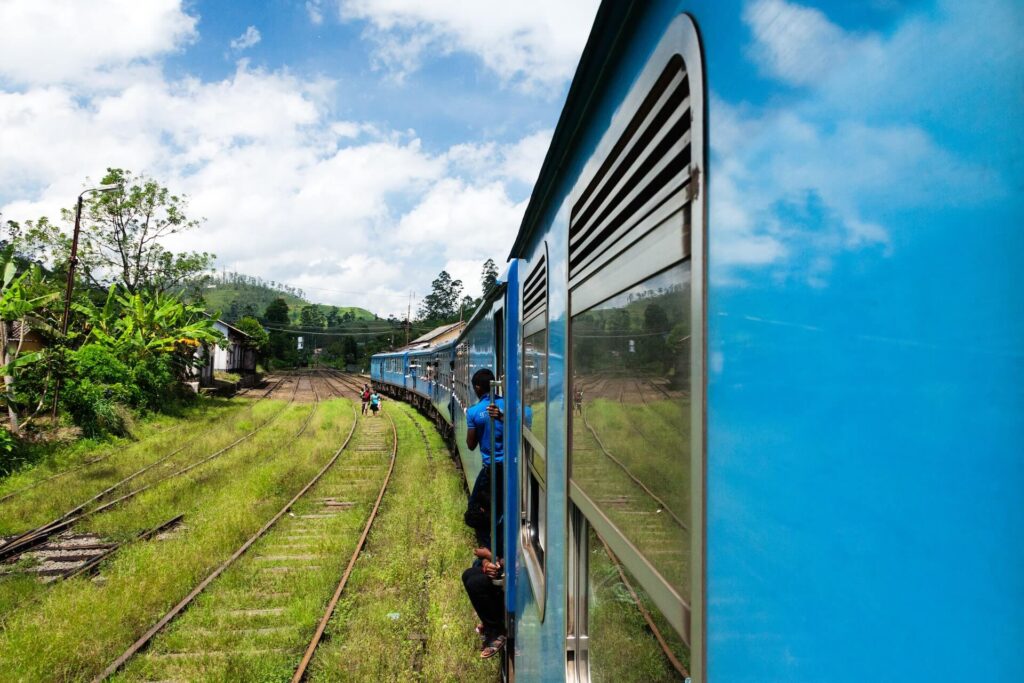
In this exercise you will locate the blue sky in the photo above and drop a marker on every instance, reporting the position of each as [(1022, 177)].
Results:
[(353, 148)]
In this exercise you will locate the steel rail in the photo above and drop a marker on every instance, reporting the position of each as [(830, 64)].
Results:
[(87, 463), (12, 494), (300, 671), (144, 640), (34, 537), (93, 563), (646, 614), (89, 566), (632, 476)]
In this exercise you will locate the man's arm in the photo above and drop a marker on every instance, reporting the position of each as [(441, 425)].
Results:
[(471, 438)]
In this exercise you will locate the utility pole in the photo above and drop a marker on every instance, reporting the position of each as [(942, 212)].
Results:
[(408, 321), (72, 262)]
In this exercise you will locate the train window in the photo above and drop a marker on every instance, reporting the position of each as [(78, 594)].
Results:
[(636, 300), (533, 470), (627, 638), (631, 417)]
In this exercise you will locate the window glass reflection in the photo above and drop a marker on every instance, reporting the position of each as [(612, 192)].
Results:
[(534, 392), (631, 417), (628, 639)]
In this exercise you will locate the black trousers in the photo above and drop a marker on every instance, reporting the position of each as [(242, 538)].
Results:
[(477, 515), (487, 601)]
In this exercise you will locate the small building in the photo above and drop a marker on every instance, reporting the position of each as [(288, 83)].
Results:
[(237, 355), (25, 338)]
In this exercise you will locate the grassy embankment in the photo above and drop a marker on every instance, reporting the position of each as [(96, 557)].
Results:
[(77, 627), (47, 460), (622, 648), (200, 435), (405, 615)]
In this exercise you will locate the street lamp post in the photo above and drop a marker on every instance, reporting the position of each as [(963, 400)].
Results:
[(72, 262)]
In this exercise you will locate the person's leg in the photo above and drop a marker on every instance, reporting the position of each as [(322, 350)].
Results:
[(486, 599), (476, 518)]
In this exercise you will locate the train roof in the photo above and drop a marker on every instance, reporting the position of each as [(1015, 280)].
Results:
[(613, 21)]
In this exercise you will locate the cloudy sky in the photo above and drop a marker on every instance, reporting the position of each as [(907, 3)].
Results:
[(352, 148)]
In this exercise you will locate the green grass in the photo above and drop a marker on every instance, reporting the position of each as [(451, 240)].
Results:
[(71, 630), (216, 641), (49, 459), (653, 451), (622, 648), (405, 607), (224, 422), (77, 627)]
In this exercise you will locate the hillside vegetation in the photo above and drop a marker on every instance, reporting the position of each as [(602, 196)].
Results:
[(234, 296)]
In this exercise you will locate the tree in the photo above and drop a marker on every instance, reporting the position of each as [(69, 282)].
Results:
[(312, 316), (121, 237), (282, 344), (442, 302), (258, 337), (488, 277)]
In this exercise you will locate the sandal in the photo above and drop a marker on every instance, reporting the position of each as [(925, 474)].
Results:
[(492, 648)]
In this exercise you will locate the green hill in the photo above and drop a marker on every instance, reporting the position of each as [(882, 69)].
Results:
[(234, 296)]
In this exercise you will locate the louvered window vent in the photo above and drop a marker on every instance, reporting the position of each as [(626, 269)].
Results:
[(644, 177), (535, 291)]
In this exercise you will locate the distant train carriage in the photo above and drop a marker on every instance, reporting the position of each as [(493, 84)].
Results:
[(761, 350)]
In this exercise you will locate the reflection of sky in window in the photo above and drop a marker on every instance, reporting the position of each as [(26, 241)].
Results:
[(859, 131)]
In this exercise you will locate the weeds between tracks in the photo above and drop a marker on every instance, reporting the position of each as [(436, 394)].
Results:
[(86, 624), (380, 631)]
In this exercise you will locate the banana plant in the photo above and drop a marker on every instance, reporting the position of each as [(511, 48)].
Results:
[(20, 302), (144, 323)]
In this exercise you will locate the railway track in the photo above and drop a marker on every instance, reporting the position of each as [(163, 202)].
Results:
[(100, 459), (291, 548), (14, 548), (645, 516)]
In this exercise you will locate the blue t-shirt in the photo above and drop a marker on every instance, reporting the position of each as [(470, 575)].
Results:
[(478, 419)]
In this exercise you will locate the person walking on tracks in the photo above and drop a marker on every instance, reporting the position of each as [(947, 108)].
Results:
[(374, 403), (366, 397)]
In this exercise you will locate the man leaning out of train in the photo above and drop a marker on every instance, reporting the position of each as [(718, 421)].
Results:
[(478, 433)]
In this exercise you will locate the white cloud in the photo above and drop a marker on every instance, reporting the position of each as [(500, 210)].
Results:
[(60, 41), (247, 39), (796, 186), (531, 43), (315, 11), (353, 213), (799, 44)]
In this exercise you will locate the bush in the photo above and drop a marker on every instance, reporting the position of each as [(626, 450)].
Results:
[(94, 409), (8, 451)]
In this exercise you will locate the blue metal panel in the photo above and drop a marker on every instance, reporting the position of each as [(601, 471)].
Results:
[(540, 645), (513, 365), (866, 377)]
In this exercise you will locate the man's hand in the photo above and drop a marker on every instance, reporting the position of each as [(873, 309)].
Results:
[(492, 570), (482, 553), (493, 411)]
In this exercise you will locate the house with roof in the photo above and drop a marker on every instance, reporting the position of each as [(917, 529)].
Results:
[(235, 355)]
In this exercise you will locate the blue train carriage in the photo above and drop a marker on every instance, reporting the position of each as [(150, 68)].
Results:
[(767, 270), (443, 359), (389, 373)]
